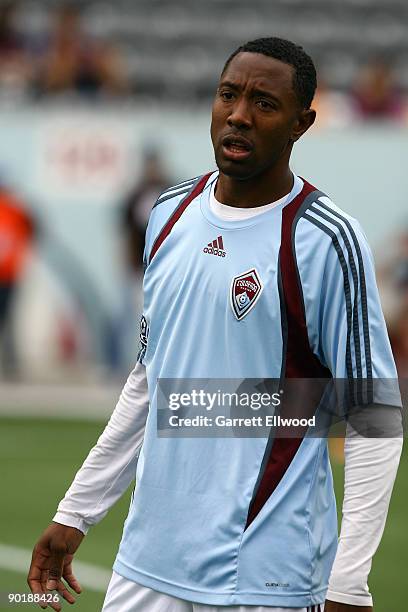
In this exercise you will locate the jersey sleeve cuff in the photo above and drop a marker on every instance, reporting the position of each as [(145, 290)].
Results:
[(71, 521), (351, 600)]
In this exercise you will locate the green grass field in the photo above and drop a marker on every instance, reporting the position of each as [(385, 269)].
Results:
[(39, 458)]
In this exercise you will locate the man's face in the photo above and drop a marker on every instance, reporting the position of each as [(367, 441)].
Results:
[(256, 116)]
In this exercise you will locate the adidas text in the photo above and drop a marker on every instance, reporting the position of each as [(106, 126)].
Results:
[(212, 251)]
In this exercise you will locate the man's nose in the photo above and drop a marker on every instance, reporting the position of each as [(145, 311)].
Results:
[(240, 116)]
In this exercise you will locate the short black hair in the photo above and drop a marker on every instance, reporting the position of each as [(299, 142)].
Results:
[(304, 79)]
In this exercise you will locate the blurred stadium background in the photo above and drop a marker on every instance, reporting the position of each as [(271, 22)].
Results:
[(103, 105)]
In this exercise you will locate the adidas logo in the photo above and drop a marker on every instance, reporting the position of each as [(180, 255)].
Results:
[(216, 247)]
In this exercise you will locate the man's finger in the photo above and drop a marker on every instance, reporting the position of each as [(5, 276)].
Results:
[(55, 565), (44, 577), (34, 580), (70, 579), (37, 589), (63, 591), (55, 605)]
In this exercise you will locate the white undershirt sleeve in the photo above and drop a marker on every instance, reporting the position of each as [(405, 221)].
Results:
[(111, 464), (370, 469)]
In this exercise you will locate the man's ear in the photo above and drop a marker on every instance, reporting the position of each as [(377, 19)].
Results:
[(305, 120)]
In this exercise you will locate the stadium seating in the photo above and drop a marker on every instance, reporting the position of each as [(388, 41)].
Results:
[(178, 47)]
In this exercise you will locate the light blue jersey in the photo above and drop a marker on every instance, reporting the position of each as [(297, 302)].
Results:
[(288, 293)]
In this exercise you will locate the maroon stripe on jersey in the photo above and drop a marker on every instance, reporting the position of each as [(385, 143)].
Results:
[(299, 360), (215, 243), (220, 243), (177, 214)]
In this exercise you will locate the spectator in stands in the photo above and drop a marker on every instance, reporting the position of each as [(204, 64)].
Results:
[(16, 235), (73, 61), (375, 95), (15, 69)]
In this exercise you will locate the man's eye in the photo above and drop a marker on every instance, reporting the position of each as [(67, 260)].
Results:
[(226, 95), (265, 105)]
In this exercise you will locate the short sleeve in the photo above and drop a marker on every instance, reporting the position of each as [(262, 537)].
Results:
[(346, 326)]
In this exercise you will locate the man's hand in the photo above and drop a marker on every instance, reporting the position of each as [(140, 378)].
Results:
[(52, 561), (333, 606)]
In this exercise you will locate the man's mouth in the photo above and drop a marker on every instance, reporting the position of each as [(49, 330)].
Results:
[(236, 148)]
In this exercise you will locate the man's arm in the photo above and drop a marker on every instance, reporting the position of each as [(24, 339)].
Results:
[(370, 469), (348, 334), (104, 476), (111, 465)]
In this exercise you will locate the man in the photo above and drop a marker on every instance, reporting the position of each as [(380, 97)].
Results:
[(133, 222), (251, 273), (138, 205)]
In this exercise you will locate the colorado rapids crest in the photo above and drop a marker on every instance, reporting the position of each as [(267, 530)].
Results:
[(245, 291)]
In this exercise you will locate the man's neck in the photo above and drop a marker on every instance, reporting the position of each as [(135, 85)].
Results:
[(254, 192)]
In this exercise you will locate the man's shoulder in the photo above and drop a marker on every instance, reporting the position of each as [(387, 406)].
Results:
[(326, 235), (176, 192), (321, 216), (169, 206)]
